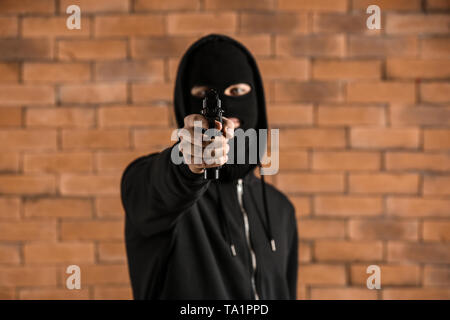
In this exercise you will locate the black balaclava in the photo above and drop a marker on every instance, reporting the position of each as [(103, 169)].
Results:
[(219, 64)]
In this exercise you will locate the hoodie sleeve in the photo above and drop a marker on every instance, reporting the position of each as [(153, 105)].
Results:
[(155, 191), (293, 258)]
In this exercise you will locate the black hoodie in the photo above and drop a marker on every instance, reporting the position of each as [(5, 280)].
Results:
[(189, 238)]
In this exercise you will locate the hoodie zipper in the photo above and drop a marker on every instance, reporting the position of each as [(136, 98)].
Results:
[(240, 191)]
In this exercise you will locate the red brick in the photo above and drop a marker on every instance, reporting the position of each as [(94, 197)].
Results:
[(152, 138), (46, 253), (321, 229), (386, 91), (52, 27), (58, 162), (7, 293), (436, 231), (130, 116), (160, 47), (309, 92), (383, 183), (292, 160), (343, 294), (340, 23), (342, 206), (310, 182), (416, 294), (88, 6), (146, 92), (374, 46), (285, 69), (273, 22), (9, 161), (10, 117), (258, 44), (311, 45), (117, 161), (113, 293), (27, 139), (312, 138), (304, 252), (436, 139), (398, 5), (28, 230), (9, 254), (419, 115), (58, 208), (436, 92), (60, 118), (417, 161), (416, 68), (113, 274), (438, 47), (314, 5), (92, 49), (339, 250), (322, 274), (27, 6), (150, 70), (239, 5), (290, 114), (417, 23), (86, 185), (94, 93), (352, 69), (383, 230), (129, 25), (27, 184), (10, 208), (112, 252), (417, 207), (197, 23), (95, 139), (436, 276), (26, 94), (9, 72), (391, 274), (109, 207), (54, 294), (19, 49), (350, 116), (436, 185), (438, 4), (345, 160), (384, 138), (8, 27), (29, 276), (56, 72), (419, 252), (92, 230), (162, 5)]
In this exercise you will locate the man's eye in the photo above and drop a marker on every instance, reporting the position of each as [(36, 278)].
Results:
[(237, 90)]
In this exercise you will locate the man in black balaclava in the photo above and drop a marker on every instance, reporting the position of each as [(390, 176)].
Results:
[(192, 238)]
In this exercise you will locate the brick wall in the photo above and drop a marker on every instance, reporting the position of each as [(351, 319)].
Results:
[(365, 136)]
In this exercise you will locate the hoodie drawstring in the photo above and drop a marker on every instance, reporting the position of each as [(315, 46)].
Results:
[(224, 218), (266, 211)]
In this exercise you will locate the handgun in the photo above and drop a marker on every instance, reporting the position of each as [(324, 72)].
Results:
[(212, 111)]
